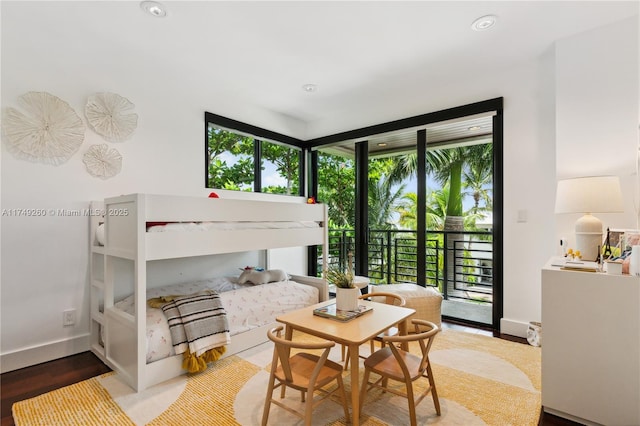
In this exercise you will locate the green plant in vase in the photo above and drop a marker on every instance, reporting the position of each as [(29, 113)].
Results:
[(340, 278), (346, 291)]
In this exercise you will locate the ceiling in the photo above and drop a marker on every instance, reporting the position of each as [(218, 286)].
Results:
[(364, 56), (464, 131)]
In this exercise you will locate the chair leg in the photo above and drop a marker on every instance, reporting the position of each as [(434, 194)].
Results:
[(412, 404), (434, 392), (365, 387), (302, 396), (308, 408), (267, 401)]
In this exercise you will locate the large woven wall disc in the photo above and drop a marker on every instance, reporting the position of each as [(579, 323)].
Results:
[(49, 131), (107, 115)]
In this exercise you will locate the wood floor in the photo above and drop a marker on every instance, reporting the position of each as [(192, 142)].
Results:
[(38, 379)]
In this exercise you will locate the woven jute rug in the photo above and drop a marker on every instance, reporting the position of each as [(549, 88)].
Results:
[(480, 381)]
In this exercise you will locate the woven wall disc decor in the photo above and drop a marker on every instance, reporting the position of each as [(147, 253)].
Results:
[(102, 162), (107, 115), (49, 131)]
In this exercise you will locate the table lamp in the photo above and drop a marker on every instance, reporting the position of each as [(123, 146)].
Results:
[(594, 194)]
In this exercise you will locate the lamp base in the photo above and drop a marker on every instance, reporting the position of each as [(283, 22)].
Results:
[(588, 236)]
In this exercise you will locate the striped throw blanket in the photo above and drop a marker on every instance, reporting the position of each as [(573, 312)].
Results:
[(197, 323)]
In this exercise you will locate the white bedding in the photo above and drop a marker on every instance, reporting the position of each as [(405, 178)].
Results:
[(248, 306)]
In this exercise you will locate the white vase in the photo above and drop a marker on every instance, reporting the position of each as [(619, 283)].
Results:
[(347, 298)]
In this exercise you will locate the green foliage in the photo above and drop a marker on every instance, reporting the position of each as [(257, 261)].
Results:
[(336, 188), (408, 211), (384, 198), (287, 162), (467, 168), (478, 180), (436, 209), (455, 169), (231, 163), (237, 172)]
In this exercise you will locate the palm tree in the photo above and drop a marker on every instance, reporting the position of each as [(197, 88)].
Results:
[(478, 178), (447, 167), (384, 197), (407, 211), (454, 221), (436, 208)]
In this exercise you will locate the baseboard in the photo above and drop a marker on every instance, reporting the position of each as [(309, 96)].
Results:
[(48, 352), (575, 419), (513, 328)]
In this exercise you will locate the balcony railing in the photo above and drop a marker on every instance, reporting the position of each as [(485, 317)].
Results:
[(458, 263)]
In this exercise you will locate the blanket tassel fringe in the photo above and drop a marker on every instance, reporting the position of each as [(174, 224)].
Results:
[(195, 364)]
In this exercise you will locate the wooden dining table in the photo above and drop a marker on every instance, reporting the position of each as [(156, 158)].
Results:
[(352, 334)]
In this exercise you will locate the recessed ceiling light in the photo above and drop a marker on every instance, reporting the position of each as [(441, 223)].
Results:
[(472, 128), (382, 144), (484, 23), (154, 8), (310, 88)]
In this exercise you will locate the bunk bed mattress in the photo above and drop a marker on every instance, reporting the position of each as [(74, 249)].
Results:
[(247, 306), (227, 226)]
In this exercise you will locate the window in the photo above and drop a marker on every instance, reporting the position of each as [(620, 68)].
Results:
[(230, 159), (242, 157), (280, 169)]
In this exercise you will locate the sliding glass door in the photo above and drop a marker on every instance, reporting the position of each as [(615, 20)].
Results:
[(433, 202)]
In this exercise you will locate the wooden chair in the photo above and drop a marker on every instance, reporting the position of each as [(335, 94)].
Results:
[(303, 371), (389, 299), (393, 363)]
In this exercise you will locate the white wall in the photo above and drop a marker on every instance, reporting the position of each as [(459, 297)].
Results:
[(45, 261), (597, 113), (586, 116)]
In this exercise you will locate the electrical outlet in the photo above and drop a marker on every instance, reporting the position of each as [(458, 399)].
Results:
[(68, 317), (522, 216)]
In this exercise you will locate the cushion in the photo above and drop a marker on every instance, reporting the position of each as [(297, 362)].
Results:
[(255, 276)]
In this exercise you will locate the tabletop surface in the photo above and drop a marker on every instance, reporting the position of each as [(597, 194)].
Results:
[(356, 331)]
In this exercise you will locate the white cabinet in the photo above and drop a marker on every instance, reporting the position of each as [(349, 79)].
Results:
[(591, 346)]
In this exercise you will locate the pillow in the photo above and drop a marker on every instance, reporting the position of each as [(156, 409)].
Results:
[(255, 276)]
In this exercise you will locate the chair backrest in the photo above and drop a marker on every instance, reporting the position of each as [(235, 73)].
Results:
[(424, 339), (282, 353), (387, 298)]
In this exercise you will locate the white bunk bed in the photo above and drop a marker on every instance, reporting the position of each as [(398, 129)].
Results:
[(118, 338)]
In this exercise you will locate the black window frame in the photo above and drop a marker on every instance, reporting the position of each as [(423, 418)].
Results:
[(309, 154), (260, 135)]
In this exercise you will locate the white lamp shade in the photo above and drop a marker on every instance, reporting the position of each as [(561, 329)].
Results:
[(595, 194)]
